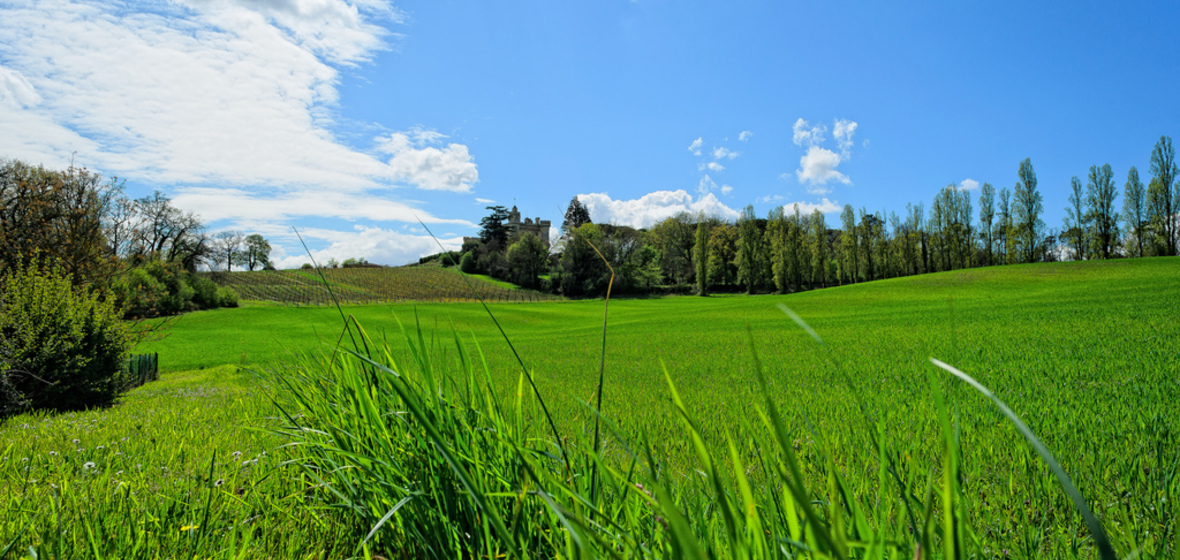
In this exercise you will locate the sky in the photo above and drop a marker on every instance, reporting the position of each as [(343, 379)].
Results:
[(359, 122)]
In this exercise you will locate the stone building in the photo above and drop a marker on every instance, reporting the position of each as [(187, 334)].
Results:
[(537, 227)]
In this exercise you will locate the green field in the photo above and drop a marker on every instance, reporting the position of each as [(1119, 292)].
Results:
[(1088, 354), (370, 285)]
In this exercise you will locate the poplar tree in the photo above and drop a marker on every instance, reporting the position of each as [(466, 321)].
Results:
[(1161, 196), (749, 269), (848, 242), (1100, 195), (987, 213), (1075, 220), (1135, 209), (701, 254), (1027, 205)]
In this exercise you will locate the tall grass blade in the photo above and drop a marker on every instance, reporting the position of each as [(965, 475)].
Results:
[(1096, 531)]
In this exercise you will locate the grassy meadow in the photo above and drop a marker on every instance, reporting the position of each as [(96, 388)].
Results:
[(1087, 354)]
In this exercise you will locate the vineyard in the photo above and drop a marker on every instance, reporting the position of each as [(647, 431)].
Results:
[(368, 285)]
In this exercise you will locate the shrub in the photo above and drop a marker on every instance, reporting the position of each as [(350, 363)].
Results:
[(62, 347), (467, 263), (227, 297), (205, 292)]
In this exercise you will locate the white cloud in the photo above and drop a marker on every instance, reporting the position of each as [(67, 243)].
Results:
[(723, 153), (817, 168), (843, 131), (825, 206), (745, 135), (707, 185), (651, 208), (711, 166), (771, 198), (726, 189), (969, 184), (227, 92), (695, 147), (808, 135), (414, 161), (247, 207), (484, 200), (377, 245)]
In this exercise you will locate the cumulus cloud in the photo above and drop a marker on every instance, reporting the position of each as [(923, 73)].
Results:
[(808, 135), (413, 160), (711, 166), (745, 135), (842, 131), (969, 184), (707, 185), (817, 168), (695, 147), (653, 207)]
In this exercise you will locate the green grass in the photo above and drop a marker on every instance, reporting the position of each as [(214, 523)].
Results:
[(181, 467), (1087, 354)]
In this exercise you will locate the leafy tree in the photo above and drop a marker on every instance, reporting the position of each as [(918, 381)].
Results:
[(493, 227), (701, 257), (257, 252), (1027, 205), (748, 245), (723, 255), (1004, 236), (528, 259), (1076, 222), (168, 233), (582, 270), (1161, 196), (1135, 209), (818, 229), (869, 228), (57, 214), (776, 239), (987, 213), (576, 215), (848, 242), (467, 263), (673, 239), (227, 248), (1101, 215)]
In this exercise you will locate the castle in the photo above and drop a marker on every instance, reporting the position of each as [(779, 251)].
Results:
[(537, 227)]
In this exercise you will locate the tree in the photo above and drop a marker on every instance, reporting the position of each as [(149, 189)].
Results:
[(575, 216), (819, 248), (673, 239), (1135, 209), (257, 252), (987, 213), (1004, 237), (1076, 224), (723, 255), (1027, 205), (701, 257), (582, 270), (1100, 195), (57, 214), (848, 242), (493, 227), (527, 260), (749, 244), (227, 246), (1161, 198)]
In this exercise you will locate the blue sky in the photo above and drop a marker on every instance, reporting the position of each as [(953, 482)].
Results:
[(349, 118)]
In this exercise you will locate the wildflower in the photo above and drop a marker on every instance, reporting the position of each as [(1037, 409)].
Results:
[(99, 448), (218, 483), (236, 454), (76, 442), (118, 473), (88, 465), (189, 528), (53, 454)]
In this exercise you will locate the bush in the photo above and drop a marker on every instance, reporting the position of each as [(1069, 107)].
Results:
[(227, 297), (61, 348), (467, 263), (205, 292)]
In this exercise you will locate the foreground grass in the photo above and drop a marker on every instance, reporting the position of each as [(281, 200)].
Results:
[(1086, 353), (181, 467)]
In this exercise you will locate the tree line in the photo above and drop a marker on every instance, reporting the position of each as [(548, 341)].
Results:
[(790, 250)]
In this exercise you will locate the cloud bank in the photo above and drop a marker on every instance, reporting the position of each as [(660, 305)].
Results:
[(653, 207)]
